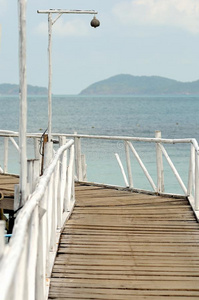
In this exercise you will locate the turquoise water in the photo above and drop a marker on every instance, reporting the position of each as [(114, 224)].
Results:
[(175, 117)]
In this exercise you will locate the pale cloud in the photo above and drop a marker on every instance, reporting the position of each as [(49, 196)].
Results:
[(2, 2), (3, 5), (183, 14), (69, 28)]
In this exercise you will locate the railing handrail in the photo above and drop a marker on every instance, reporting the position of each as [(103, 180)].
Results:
[(77, 137), (7, 133), (13, 251), (126, 138)]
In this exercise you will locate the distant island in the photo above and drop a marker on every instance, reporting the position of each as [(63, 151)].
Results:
[(125, 84), (13, 89)]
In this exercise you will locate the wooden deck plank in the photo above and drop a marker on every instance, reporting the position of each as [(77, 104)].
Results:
[(120, 245), (7, 184)]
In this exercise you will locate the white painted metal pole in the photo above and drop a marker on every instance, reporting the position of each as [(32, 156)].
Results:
[(5, 167), (128, 163), (196, 181), (23, 98), (49, 76), (122, 169), (143, 167), (67, 11), (70, 179), (84, 167), (2, 239), (159, 162), (14, 143), (190, 174), (174, 170)]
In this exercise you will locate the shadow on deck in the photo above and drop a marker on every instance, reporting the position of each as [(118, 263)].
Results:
[(122, 245)]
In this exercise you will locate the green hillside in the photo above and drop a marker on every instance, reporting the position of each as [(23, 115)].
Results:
[(13, 89), (141, 85)]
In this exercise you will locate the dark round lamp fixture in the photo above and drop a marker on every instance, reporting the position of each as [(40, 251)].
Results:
[(95, 22)]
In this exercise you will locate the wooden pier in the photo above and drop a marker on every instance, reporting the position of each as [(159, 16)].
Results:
[(120, 245)]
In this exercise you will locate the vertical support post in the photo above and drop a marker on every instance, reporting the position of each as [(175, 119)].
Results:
[(32, 253), (122, 169), (196, 180), (23, 98), (48, 154), (5, 167), (52, 214), (78, 160), (42, 251), (45, 141), (20, 283), (70, 180), (84, 167), (57, 187), (49, 76), (128, 164), (191, 164), (36, 150), (2, 239), (33, 173), (16, 197), (159, 162), (63, 170)]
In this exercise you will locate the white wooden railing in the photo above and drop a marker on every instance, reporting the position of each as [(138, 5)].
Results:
[(10, 139), (26, 262), (190, 190)]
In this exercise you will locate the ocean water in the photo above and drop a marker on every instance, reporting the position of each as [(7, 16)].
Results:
[(175, 117)]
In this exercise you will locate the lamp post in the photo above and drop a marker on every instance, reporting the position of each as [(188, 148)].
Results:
[(51, 22), (23, 100)]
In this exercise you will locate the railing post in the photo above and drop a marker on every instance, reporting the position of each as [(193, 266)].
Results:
[(51, 216), (42, 251), (128, 164), (78, 160), (48, 154), (2, 238), (190, 175), (32, 254), (17, 201), (70, 181), (58, 192), (196, 180), (33, 173), (36, 150), (5, 167), (45, 151), (63, 170), (84, 167), (159, 162), (122, 169)]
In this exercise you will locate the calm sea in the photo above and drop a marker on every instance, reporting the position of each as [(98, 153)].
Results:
[(175, 117)]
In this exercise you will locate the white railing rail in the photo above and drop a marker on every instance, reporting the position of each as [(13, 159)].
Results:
[(12, 136), (191, 190), (26, 262)]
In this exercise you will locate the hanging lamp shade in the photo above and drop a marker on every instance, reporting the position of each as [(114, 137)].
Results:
[(95, 22)]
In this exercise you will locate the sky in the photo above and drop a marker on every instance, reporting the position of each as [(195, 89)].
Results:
[(137, 37)]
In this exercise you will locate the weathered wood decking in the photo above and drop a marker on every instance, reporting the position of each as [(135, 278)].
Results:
[(7, 183), (122, 245)]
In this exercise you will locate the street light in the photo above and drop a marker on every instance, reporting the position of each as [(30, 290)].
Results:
[(22, 101), (94, 23)]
